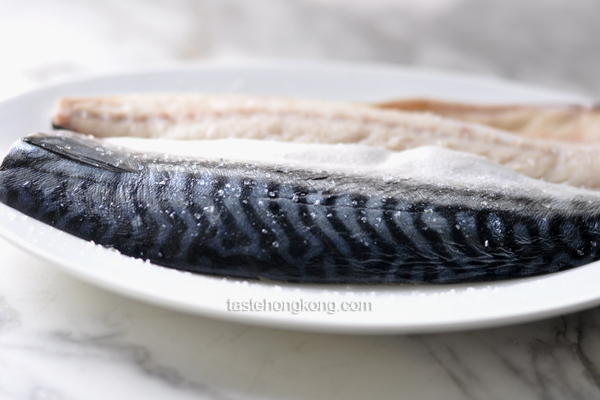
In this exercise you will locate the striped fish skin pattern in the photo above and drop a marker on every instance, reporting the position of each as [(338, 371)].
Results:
[(251, 221)]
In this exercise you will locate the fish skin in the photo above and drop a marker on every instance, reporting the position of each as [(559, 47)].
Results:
[(311, 121), (251, 221)]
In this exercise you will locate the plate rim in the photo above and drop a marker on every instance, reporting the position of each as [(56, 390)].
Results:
[(303, 64)]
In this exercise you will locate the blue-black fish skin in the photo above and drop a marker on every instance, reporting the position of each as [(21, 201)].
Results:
[(248, 221)]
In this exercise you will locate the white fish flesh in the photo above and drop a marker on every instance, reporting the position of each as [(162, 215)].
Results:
[(217, 117)]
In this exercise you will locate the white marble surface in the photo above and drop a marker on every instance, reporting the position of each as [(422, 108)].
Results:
[(63, 339)]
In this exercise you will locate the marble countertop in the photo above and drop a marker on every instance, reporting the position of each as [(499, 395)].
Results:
[(62, 339)]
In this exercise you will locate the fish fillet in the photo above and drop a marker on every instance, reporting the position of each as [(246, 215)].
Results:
[(569, 122), (216, 117), (428, 215)]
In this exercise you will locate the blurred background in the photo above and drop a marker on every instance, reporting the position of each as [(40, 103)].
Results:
[(553, 43)]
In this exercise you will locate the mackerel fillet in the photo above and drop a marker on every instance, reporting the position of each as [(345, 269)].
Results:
[(305, 225)]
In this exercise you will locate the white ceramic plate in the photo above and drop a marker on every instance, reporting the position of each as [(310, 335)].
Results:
[(392, 308)]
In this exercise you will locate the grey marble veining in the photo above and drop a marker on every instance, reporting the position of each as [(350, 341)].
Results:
[(61, 339), (554, 359)]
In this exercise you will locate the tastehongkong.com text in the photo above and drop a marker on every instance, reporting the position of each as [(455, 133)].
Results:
[(297, 306)]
